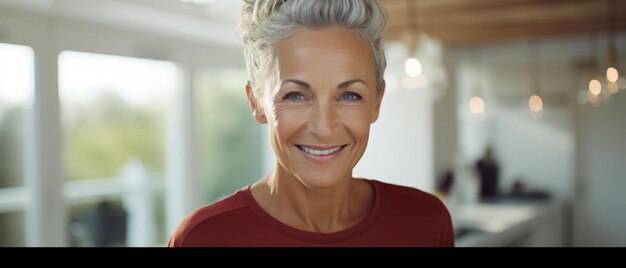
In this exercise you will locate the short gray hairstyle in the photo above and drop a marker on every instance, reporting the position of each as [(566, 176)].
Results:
[(263, 23)]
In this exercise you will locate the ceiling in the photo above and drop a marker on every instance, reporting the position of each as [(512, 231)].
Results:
[(453, 22), (466, 22)]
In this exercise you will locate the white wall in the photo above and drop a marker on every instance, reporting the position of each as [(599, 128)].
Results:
[(445, 121), (400, 145), (600, 215), (535, 151)]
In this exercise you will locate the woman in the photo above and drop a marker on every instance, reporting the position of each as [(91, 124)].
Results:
[(316, 71)]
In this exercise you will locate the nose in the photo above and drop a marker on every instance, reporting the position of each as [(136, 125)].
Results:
[(323, 120)]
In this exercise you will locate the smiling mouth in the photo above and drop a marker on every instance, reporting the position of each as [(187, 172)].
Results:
[(320, 152)]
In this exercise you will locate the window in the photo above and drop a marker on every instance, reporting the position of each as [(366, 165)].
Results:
[(229, 139), (16, 87), (113, 115)]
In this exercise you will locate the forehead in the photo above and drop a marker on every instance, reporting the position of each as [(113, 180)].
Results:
[(330, 49)]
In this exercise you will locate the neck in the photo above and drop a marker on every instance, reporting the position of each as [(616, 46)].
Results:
[(315, 210)]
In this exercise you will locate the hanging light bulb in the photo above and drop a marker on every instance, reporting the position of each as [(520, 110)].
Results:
[(477, 105), (413, 67), (414, 78), (535, 103), (612, 75), (594, 92), (595, 87)]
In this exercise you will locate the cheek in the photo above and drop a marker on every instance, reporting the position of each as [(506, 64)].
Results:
[(286, 122), (357, 122)]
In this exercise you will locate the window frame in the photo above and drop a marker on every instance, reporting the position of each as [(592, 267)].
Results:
[(45, 201)]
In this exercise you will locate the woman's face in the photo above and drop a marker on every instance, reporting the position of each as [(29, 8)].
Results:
[(321, 107)]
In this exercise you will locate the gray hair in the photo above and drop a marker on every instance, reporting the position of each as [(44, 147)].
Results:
[(266, 22)]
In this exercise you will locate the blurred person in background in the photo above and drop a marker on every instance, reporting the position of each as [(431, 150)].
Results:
[(488, 170), (316, 79)]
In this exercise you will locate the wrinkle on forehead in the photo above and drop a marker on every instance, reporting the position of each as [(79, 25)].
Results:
[(323, 56)]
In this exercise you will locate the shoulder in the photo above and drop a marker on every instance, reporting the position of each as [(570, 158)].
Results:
[(196, 222), (405, 193), (416, 214), (397, 197)]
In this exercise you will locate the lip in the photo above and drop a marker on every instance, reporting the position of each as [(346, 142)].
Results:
[(321, 158)]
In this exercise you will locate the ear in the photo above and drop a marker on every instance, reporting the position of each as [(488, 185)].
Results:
[(379, 99), (257, 110)]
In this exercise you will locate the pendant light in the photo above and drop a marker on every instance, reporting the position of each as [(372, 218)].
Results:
[(535, 102), (612, 73), (593, 94), (476, 103), (412, 66)]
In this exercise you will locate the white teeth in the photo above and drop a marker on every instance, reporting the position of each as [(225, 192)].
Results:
[(320, 152)]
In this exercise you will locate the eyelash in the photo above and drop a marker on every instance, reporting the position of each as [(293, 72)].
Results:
[(297, 96), (355, 98), (294, 96)]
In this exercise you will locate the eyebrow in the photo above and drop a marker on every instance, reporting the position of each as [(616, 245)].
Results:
[(297, 82), (350, 82), (342, 85)]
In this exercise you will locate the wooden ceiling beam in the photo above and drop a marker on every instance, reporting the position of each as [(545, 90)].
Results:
[(472, 35), (471, 21)]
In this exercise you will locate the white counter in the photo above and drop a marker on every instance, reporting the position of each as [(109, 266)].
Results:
[(509, 224)]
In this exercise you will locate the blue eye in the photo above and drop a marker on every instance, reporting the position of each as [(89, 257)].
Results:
[(294, 96), (351, 96)]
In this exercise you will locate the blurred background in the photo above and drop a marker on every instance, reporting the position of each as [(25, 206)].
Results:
[(119, 117)]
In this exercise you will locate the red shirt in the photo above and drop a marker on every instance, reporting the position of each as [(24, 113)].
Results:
[(401, 216)]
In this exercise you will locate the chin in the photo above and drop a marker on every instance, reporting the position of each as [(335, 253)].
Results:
[(321, 180)]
